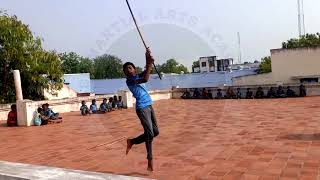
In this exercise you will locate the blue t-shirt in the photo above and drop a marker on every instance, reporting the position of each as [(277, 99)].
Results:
[(93, 107), (139, 91)]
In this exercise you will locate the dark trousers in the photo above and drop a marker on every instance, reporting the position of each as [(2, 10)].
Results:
[(149, 123)]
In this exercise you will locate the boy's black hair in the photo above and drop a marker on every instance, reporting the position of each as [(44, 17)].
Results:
[(127, 64), (13, 106), (39, 109), (82, 102)]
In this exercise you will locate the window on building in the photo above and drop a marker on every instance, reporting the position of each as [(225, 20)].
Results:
[(204, 64), (309, 80)]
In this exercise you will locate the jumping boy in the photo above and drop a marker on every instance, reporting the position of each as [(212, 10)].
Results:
[(136, 84)]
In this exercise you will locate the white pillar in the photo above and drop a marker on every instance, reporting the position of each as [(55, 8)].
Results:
[(17, 84), (127, 98)]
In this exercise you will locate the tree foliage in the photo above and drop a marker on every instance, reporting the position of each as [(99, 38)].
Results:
[(20, 50), (308, 40), (86, 65), (265, 66), (172, 66), (107, 67), (139, 69), (73, 63), (195, 64), (70, 62)]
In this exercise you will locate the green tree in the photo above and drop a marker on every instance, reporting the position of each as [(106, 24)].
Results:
[(20, 50), (308, 40), (139, 69), (86, 66), (70, 62), (172, 66), (107, 67), (195, 64), (265, 66), (158, 66)]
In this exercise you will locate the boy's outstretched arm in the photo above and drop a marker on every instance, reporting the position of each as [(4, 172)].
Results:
[(149, 65)]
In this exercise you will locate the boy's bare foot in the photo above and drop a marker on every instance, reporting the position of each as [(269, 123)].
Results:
[(129, 146), (150, 165)]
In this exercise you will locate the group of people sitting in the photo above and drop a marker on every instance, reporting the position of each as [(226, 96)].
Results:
[(45, 115), (113, 104), (273, 92)]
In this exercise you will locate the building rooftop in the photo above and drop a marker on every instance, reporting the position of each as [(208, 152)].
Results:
[(79, 82), (199, 139), (199, 80)]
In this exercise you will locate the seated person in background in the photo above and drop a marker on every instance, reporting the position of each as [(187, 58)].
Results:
[(249, 94), (280, 92), (230, 93), (114, 102), (210, 95), (259, 93), (303, 92), (104, 106), (84, 109), (109, 106), (12, 116), (219, 94), (290, 92), (44, 119), (196, 94), (204, 93), (120, 103), (48, 117), (186, 95), (93, 107), (49, 113), (271, 93), (238, 93)]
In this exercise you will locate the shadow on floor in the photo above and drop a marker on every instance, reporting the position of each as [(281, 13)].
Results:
[(302, 137), (135, 174), (3, 125)]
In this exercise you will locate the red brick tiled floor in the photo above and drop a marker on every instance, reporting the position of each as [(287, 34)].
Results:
[(199, 139)]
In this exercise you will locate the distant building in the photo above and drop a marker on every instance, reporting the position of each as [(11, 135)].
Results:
[(289, 66), (195, 69), (191, 80), (245, 66), (81, 83), (212, 64)]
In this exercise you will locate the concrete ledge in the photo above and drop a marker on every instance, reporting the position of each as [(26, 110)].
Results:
[(17, 171)]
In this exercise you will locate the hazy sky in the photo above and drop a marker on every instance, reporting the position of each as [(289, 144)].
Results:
[(181, 29)]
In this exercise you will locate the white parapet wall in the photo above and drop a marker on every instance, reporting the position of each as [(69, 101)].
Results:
[(258, 79), (156, 95), (27, 108), (4, 110)]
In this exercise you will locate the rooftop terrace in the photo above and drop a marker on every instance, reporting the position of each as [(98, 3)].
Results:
[(199, 139)]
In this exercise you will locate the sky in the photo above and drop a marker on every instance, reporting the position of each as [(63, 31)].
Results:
[(180, 29)]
